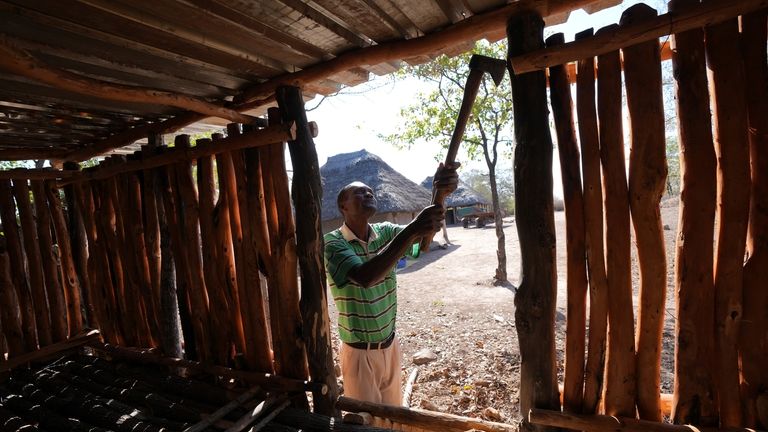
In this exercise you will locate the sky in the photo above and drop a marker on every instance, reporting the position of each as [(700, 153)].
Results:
[(354, 119)]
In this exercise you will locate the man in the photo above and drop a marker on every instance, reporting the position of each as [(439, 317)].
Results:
[(360, 260)]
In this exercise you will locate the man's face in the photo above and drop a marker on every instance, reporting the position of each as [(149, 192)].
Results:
[(358, 201)]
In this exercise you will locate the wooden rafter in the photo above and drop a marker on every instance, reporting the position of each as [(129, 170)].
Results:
[(20, 62), (472, 28), (454, 10), (673, 22), (323, 19)]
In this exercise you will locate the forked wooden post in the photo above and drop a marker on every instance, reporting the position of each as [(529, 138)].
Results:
[(727, 87), (536, 295), (307, 200), (593, 224), (620, 379), (568, 150), (753, 344), (694, 390), (647, 181)]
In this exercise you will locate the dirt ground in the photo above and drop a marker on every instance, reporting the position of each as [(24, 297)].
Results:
[(448, 304)]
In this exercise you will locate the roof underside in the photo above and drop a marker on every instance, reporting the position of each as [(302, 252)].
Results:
[(212, 50)]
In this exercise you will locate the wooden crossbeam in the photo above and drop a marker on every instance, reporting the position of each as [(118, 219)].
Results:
[(672, 22), (85, 338), (18, 61)]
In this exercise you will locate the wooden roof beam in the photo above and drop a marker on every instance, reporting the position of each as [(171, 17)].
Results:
[(473, 28), (326, 21), (701, 15), (21, 63), (454, 10)]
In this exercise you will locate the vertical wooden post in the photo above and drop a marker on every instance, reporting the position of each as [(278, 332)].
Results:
[(69, 277), (535, 300), (694, 390), (151, 230), (593, 224), (16, 259), (259, 356), (728, 92), (620, 364), (34, 261), (10, 313), (307, 200), (290, 354), (54, 293), (568, 150), (754, 326), (78, 242), (647, 179)]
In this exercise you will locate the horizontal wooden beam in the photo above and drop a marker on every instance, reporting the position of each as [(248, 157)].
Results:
[(473, 28), (265, 380), (697, 16), (666, 54), (36, 174), (429, 420), (18, 61), (15, 154), (260, 137), (604, 423), (51, 351)]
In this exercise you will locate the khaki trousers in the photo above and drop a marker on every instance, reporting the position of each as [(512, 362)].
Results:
[(372, 375)]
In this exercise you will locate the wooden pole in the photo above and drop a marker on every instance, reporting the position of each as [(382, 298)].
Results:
[(10, 313), (728, 92), (593, 225), (650, 28), (285, 313), (54, 293), (78, 243), (307, 197), (220, 302), (620, 379), (647, 180), (16, 259), (753, 334), (694, 390), (568, 150), (69, 279), (536, 296), (604, 423), (206, 322), (34, 262)]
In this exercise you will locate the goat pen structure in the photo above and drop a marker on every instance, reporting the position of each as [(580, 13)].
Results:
[(197, 259)]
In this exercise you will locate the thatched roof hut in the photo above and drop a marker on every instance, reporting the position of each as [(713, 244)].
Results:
[(399, 199), (463, 197)]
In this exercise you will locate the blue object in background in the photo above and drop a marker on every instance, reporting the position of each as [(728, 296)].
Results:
[(401, 263)]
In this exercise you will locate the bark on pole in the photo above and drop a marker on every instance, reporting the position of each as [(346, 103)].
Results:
[(568, 150), (694, 392), (34, 261), (69, 279), (647, 180), (593, 224), (536, 296), (10, 313), (620, 379), (16, 259), (727, 89), (56, 301), (78, 243), (753, 344), (307, 200)]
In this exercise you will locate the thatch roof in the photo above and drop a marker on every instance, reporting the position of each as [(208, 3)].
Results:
[(463, 196), (394, 192)]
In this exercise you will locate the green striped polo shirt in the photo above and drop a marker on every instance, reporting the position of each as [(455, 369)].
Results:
[(365, 314)]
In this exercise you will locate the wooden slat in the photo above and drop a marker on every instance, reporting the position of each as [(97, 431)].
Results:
[(11, 233), (620, 378), (647, 181), (535, 223), (323, 18), (223, 411), (53, 350), (727, 89), (307, 202), (10, 313), (78, 244), (648, 29), (753, 334), (56, 302), (593, 223), (568, 151)]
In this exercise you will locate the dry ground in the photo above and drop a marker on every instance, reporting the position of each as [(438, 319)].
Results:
[(447, 304)]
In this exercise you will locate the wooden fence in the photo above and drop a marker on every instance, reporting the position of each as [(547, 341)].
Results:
[(721, 335)]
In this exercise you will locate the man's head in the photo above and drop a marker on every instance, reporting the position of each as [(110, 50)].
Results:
[(356, 200)]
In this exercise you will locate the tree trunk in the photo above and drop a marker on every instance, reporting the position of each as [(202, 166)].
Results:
[(694, 390), (500, 277), (536, 297)]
